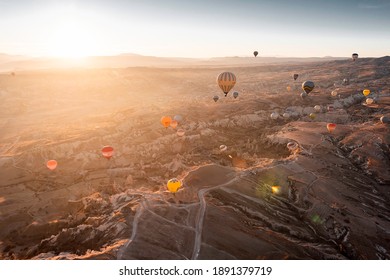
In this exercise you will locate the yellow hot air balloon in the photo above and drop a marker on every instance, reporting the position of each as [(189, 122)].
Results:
[(312, 116), (275, 189), (173, 185), (288, 88), (308, 86), (366, 92), (226, 81)]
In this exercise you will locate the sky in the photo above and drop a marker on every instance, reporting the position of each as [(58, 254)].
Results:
[(199, 29)]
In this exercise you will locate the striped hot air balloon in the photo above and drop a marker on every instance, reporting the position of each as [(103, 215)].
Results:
[(226, 81), (308, 86)]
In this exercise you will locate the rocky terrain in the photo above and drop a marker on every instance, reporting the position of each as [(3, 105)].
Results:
[(327, 199)]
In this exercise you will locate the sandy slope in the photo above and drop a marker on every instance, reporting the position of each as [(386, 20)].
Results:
[(334, 193)]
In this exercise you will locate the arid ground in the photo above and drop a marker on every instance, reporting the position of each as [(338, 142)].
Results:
[(332, 195)]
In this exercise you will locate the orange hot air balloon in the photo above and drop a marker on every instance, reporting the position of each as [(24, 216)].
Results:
[(331, 127), (166, 121), (174, 123), (107, 152), (366, 92), (51, 164)]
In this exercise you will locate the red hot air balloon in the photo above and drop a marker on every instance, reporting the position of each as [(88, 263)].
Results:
[(107, 152), (51, 164), (331, 127)]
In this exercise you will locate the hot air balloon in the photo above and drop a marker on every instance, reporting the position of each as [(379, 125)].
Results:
[(215, 98), (288, 88), (303, 95), (275, 189), (107, 152), (255, 53), (166, 121), (369, 101), (178, 118), (385, 119), (312, 116), (51, 164), (174, 123), (331, 127), (223, 148), (345, 82), (235, 94), (317, 108), (180, 132), (366, 92), (173, 185), (355, 56), (330, 108), (274, 115), (307, 86), (292, 146), (286, 115), (295, 77), (334, 92), (226, 81)]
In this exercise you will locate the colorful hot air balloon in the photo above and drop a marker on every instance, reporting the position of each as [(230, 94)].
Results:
[(275, 189), (288, 88), (292, 146), (255, 53), (331, 127), (223, 148), (295, 77), (235, 94), (174, 123), (166, 121), (107, 152), (366, 92), (385, 119), (274, 116), (355, 56), (317, 108), (173, 185), (215, 98), (51, 164), (180, 132), (226, 81), (307, 86), (178, 118)]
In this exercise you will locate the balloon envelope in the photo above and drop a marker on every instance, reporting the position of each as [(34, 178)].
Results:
[(292, 146), (255, 53), (51, 164), (369, 101), (274, 115), (303, 95), (330, 108), (166, 121), (180, 132), (223, 148), (366, 92), (307, 86), (331, 127), (385, 119), (295, 76), (288, 88), (235, 94), (178, 118), (312, 116), (355, 56), (226, 81), (107, 152), (174, 123), (215, 98), (173, 185), (317, 108)]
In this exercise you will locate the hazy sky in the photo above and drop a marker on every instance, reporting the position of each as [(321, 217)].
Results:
[(201, 28)]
